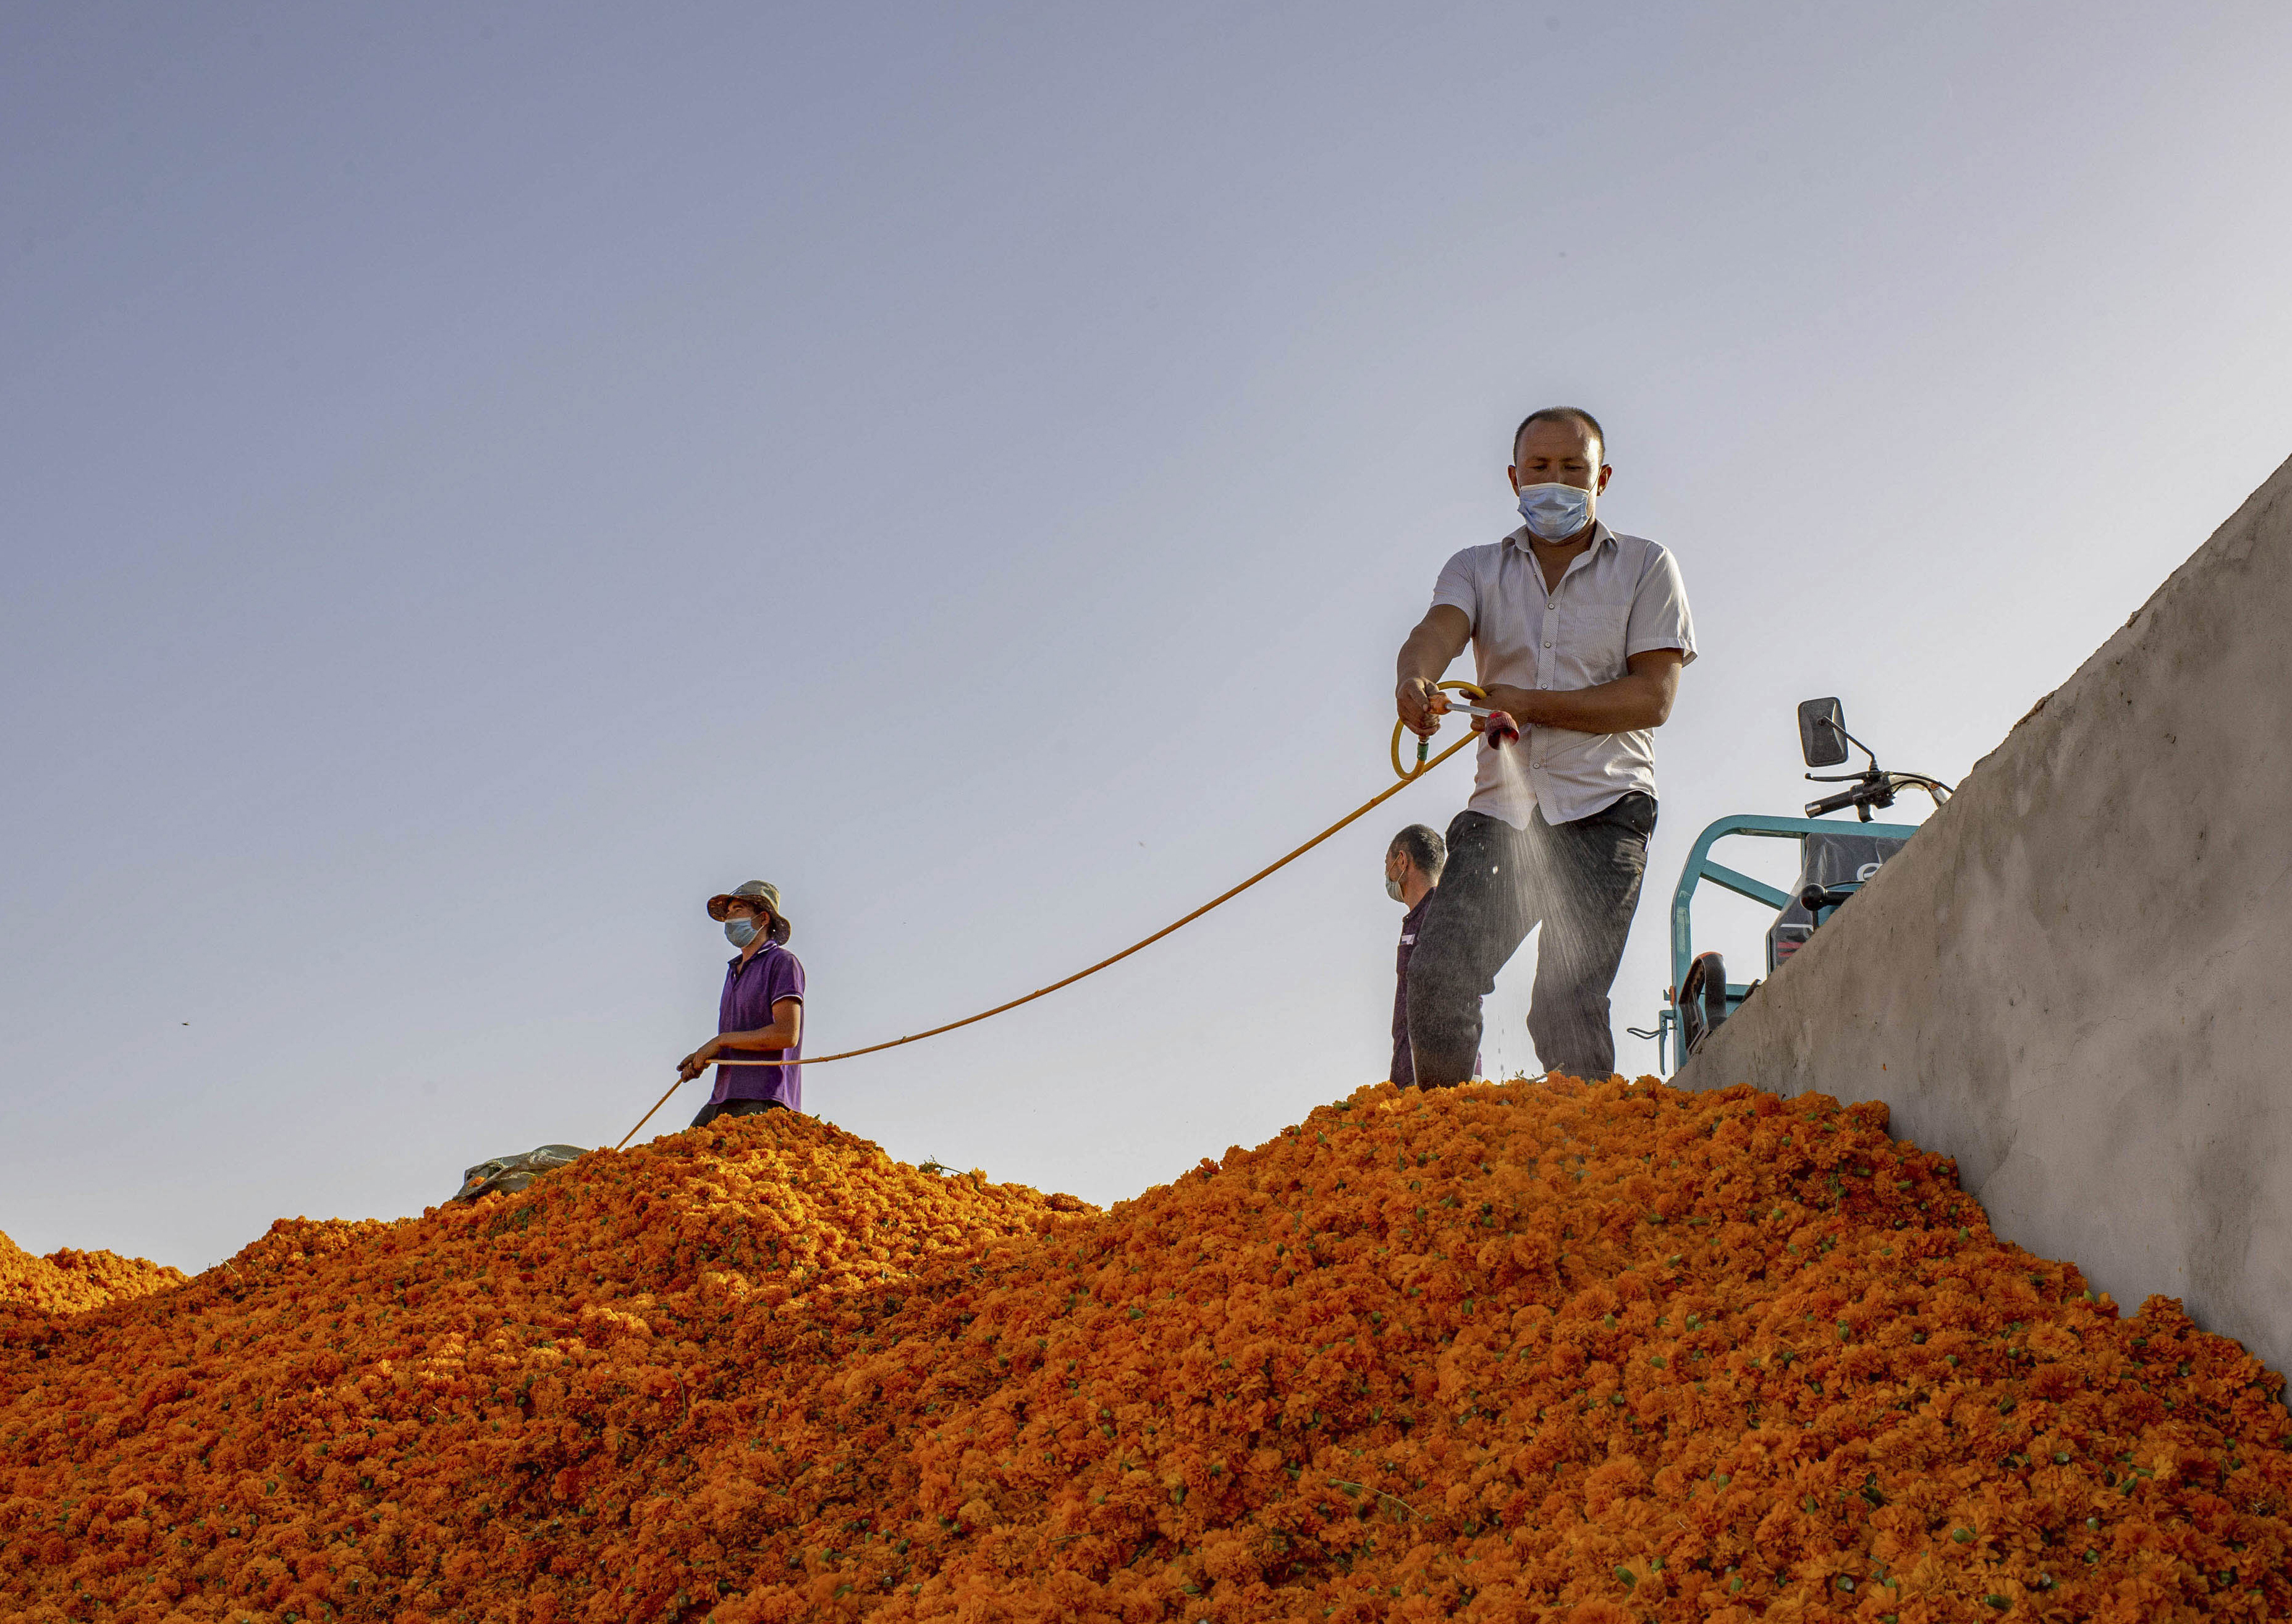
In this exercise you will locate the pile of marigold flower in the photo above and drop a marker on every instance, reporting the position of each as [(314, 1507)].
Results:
[(1579, 1352), (68, 1282)]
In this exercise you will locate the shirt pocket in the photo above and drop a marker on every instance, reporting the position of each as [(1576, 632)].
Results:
[(1592, 638)]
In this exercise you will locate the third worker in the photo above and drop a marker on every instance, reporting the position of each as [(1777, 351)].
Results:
[(1412, 871)]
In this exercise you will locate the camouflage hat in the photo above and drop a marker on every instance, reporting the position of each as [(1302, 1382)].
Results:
[(754, 890)]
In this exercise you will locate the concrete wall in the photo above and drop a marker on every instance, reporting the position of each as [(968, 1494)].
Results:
[(2077, 979)]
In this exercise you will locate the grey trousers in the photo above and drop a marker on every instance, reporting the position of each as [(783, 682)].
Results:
[(734, 1108), (1581, 882)]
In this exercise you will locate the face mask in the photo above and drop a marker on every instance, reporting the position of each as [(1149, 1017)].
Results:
[(740, 932), (1393, 890), (1555, 511)]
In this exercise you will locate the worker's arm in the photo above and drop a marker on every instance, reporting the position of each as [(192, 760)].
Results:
[(1642, 698), (785, 1032), (1439, 638)]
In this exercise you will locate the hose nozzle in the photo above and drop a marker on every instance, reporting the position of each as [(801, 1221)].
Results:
[(1497, 725)]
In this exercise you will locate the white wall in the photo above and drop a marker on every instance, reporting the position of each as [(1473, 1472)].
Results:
[(2077, 978)]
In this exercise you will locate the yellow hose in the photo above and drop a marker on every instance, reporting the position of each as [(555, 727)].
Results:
[(1363, 810), (1398, 728)]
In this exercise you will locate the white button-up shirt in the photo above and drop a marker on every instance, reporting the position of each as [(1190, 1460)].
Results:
[(1621, 596)]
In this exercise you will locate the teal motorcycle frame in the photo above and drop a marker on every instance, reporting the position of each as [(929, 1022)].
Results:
[(1700, 1000), (1670, 1021)]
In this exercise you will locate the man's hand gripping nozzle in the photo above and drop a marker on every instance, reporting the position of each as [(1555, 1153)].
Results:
[(1498, 725)]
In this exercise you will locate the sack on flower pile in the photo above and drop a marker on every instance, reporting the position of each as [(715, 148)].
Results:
[(1551, 1352), (508, 1175)]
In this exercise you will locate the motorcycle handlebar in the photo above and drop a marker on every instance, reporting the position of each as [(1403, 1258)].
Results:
[(1834, 803)]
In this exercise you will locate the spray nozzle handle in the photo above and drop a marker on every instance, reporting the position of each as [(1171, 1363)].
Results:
[(1498, 725)]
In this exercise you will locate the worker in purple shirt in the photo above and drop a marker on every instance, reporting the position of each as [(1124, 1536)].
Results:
[(1412, 868), (761, 1015)]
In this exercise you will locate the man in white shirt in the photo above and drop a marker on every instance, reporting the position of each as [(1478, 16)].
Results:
[(1579, 634)]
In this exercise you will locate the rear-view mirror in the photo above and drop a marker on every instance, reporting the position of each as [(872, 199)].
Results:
[(1821, 733)]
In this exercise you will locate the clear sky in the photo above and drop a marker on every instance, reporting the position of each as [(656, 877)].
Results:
[(479, 480)]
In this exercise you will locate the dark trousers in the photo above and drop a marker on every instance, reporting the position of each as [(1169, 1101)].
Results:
[(1581, 882), (734, 1108)]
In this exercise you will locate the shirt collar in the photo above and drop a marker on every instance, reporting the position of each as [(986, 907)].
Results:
[(757, 957), (1601, 536)]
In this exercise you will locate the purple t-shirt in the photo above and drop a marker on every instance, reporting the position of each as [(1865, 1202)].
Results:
[(750, 991)]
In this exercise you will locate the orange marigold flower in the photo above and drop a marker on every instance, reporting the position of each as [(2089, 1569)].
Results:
[(1545, 1351)]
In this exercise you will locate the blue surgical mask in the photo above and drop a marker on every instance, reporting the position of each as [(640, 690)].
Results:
[(740, 932), (1555, 511)]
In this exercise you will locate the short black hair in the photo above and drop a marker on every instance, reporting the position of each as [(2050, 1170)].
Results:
[(1562, 414), (1424, 847)]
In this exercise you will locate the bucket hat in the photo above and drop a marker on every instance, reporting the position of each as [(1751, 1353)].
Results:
[(754, 891)]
